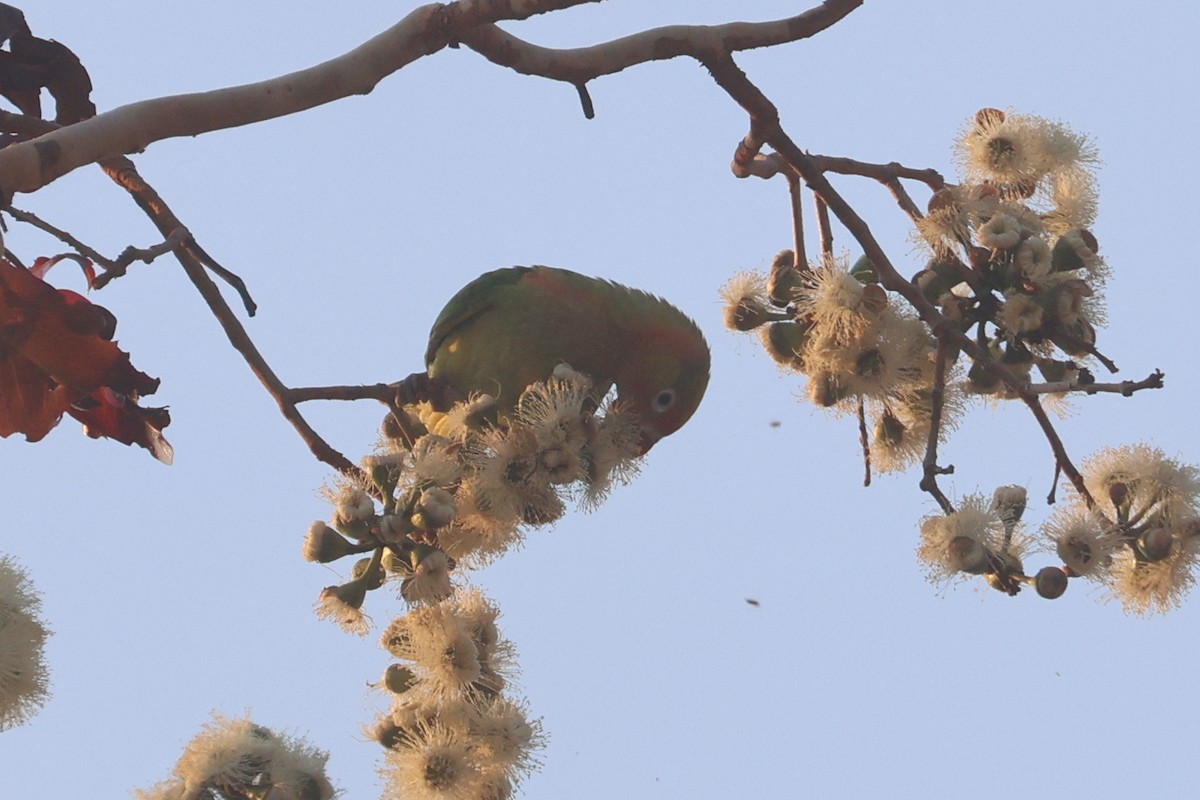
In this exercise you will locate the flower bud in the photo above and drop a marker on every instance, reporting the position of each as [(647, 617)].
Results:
[(1075, 249), (399, 679), (1020, 314), (1054, 371), (388, 733), (874, 299), (747, 314), (1001, 232), (351, 594), (1076, 553), (864, 270), (1118, 493), (434, 509), (385, 474), (988, 117), (889, 430), (825, 390), (784, 280), (394, 528), (1077, 339), (981, 381), (1156, 543), (371, 580), (965, 554), (1009, 503), (323, 544), (942, 198), (784, 342), (430, 578), (353, 506), (1050, 582)]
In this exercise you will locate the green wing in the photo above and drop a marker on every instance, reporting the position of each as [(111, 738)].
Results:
[(472, 300)]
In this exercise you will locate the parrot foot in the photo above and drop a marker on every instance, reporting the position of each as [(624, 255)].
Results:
[(421, 388)]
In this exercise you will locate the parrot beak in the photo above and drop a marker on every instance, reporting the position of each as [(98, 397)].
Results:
[(646, 440)]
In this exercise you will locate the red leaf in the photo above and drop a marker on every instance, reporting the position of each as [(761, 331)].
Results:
[(42, 265), (108, 414), (30, 403), (57, 355)]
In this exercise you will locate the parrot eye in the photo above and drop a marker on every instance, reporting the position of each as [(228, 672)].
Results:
[(664, 400)]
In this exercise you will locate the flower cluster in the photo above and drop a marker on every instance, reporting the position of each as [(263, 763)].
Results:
[(1012, 253), (1012, 264), (235, 758), (451, 731), (1136, 531), (986, 538), (448, 490), (452, 489), (858, 347), (23, 677), (1013, 278)]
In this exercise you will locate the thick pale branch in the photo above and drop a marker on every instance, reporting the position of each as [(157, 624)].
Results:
[(28, 166), (579, 65)]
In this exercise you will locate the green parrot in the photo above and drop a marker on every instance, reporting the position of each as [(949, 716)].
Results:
[(511, 327)]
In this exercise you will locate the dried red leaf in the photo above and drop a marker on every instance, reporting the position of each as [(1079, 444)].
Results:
[(42, 265), (57, 355), (30, 403), (114, 416), (32, 63)]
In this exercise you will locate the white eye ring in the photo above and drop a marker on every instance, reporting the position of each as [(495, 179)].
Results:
[(664, 400)]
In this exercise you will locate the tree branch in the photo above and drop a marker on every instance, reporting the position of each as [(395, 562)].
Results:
[(28, 166), (579, 65), (764, 117), (1124, 388), (930, 468)]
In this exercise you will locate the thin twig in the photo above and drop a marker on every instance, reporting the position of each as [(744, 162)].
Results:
[(903, 199), (383, 392), (240, 339), (1124, 388), (29, 218), (123, 172), (884, 173), (865, 442), (937, 397), (800, 260), (824, 230), (231, 278), (147, 255), (1050, 498), (771, 164), (585, 100)]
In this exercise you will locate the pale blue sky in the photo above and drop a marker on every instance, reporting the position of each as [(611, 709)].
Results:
[(174, 591)]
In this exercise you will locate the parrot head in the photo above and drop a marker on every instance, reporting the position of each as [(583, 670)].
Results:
[(663, 376)]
